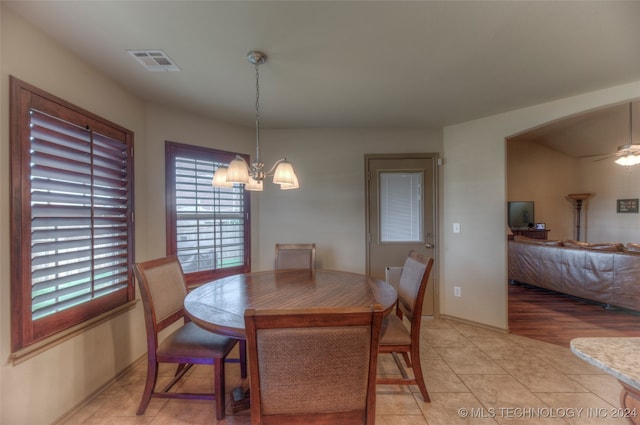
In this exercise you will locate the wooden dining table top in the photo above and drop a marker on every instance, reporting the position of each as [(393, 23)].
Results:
[(219, 305)]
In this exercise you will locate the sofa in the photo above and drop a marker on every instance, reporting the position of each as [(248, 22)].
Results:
[(606, 273)]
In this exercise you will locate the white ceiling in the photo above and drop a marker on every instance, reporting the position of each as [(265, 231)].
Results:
[(353, 64)]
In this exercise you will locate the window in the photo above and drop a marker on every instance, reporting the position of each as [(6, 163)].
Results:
[(401, 206), (207, 228), (71, 215)]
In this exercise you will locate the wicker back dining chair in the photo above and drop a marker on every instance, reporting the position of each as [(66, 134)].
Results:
[(296, 256), (313, 366), (162, 289), (396, 338)]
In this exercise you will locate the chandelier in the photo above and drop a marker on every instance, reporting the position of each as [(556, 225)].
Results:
[(253, 175), (630, 154)]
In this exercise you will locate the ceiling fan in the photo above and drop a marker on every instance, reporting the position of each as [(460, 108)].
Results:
[(627, 154)]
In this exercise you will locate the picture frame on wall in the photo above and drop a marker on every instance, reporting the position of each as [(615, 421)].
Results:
[(627, 205)]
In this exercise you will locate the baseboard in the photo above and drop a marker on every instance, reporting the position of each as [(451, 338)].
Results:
[(470, 322)]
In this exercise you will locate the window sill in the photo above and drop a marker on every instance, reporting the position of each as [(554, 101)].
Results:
[(42, 346)]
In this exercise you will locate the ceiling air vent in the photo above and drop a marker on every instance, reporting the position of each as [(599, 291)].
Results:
[(154, 60)]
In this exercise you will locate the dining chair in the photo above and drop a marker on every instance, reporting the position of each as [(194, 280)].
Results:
[(162, 289), (396, 337), (313, 366), (295, 256)]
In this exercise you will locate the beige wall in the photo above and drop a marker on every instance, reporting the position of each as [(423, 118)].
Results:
[(64, 375), (545, 176), (475, 196), (329, 209), (608, 182)]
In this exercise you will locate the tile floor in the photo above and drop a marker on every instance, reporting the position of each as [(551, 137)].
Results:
[(474, 376)]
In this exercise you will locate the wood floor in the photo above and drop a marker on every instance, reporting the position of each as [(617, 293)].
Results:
[(548, 316)]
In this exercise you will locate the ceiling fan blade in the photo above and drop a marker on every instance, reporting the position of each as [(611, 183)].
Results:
[(591, 156), (606, 157)]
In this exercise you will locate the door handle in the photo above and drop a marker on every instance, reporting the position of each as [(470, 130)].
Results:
[(429, 245)]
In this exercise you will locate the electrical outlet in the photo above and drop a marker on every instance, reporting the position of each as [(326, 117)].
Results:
[(457, 291), (456, 227)]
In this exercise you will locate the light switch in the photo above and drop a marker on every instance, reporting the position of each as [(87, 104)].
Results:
[(456, 227)]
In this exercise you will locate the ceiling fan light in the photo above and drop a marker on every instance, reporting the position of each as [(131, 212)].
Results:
[(284, 173), (238, 172), (220, 178), (628, 160)]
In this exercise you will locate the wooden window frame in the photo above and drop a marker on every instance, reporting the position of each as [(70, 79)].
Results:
[(172, 150), (25, 330)]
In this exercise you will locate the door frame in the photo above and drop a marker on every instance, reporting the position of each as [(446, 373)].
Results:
[(435, 213)]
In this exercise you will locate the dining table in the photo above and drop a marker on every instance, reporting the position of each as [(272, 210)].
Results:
[(219, 305)]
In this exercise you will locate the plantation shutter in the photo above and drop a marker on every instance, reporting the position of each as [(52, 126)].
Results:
[(207, 228), (71, 216), (210, 222), (79, 214)]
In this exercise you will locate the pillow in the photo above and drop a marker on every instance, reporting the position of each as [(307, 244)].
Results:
[(574, 244), (524, 239), (607, 246), (601, 246), (632, 247)]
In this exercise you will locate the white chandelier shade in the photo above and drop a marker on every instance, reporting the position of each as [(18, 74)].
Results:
[(252, 176), (220, 178)]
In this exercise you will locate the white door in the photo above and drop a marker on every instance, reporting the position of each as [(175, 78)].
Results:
[(401, 213)]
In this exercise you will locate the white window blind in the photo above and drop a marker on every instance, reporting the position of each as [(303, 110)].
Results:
[(210, 222), (401, 214), (79, 214)]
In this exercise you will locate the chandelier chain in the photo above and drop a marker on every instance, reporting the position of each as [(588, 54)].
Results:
[(257, 114)]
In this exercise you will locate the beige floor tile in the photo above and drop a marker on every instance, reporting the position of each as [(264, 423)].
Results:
[(465, 367), (469, 360), (397, 404), (454, 409), (543, 416), (440, 378), (431, 323), (447, 337), (500, 347), (501, 392), (532, 344), (589, 409), (565, 361), (129, 420), (401, 420), (538, 376), (426, 350), (179, 412), (604, 386)]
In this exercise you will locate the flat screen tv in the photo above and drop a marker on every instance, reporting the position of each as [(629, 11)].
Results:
[(521, 214)]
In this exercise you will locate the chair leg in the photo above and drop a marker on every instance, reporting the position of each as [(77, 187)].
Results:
[(180, 367), (407, 360), (417, 372), (219, 388), (152, 376), (243, 358)]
